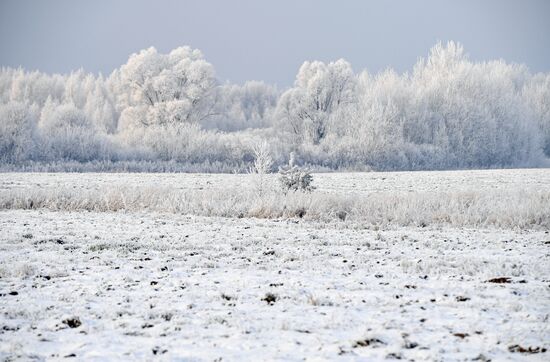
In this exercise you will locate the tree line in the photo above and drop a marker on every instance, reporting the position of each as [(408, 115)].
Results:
[(447, 113)]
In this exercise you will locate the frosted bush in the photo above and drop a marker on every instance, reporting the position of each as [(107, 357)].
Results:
[(294, 178)]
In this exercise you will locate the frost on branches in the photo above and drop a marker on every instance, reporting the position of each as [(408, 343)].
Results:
[(169, 111), (262, 166), (294, 178)]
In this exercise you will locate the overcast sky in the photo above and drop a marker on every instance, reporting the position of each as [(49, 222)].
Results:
[(268, 40)]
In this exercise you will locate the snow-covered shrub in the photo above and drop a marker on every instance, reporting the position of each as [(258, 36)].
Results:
[(295, 178)]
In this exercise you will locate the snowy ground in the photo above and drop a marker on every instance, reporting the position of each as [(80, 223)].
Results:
[(354, 182), (145, 285)]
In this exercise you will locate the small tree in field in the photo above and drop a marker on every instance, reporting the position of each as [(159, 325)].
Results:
[(262, 165), (294, 178)]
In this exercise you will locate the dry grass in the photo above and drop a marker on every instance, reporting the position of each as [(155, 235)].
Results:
[(524, 208)]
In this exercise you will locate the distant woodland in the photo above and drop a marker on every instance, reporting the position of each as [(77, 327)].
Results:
[(169, 112)]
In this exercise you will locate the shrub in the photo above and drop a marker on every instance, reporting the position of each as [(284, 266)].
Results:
[(294, 178)]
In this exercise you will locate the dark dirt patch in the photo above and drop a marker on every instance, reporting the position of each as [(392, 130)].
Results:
[(73, 322), (500, 280), (516, 348), (270, 298), (369, 342), (461, 335), (226, 297), (411, 345), (158, 350), (394, 356)]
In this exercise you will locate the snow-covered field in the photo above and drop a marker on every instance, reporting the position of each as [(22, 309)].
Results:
[(502, 198), (147, 281), (353, 182)]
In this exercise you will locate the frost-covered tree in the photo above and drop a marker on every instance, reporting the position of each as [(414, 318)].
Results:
[(17, 132), (168, 88), (536, 95), (319, 90), (263, 162), (472, 112), (244, 106), (67, 134), (371, 132), (31, 87), (100, 108), (449, 112), (78, 88)]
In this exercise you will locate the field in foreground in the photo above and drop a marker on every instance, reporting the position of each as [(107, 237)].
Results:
[(146, 281)]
